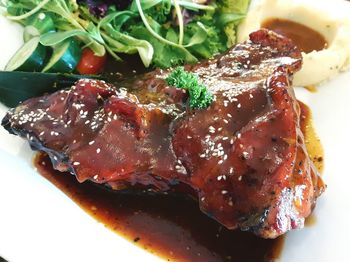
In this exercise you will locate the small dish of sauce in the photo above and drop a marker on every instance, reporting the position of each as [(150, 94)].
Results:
[(304, 37)]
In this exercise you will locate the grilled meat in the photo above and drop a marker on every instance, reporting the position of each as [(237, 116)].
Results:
[(243, 158)]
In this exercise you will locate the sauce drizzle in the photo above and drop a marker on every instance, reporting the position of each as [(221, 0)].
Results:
[(169, 226)]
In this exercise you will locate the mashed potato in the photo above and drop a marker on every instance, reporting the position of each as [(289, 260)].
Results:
[(330, 18)]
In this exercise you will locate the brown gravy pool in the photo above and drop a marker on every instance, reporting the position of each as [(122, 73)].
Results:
[(171, 227), (304, 37)]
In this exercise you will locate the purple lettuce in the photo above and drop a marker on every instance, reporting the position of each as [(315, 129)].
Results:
[(99, 8)]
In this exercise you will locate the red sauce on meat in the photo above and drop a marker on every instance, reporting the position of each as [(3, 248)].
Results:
[(169, 226)]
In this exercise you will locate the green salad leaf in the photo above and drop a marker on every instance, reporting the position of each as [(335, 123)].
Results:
[(163, 33), (230, 14)]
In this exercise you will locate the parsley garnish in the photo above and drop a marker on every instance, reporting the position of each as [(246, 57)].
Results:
[(199, 95)]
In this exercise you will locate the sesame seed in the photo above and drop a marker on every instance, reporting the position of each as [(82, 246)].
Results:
[(221, 177), (76, 163), (224, 192), (91, 142), (95, 177), (239, 178), (239, 105), (98, 150), (220, 162)]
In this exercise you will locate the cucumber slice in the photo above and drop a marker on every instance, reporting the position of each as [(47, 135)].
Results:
[(37, 24), (15, 11), (65, 57), (30, 57), (29, 32), (42, 22)]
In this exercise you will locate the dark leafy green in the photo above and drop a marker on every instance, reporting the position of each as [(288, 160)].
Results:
[(16, 87), (163, 32)]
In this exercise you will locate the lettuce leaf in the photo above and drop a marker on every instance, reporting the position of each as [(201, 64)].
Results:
[(231, 13), (165, 55), (163, 32)]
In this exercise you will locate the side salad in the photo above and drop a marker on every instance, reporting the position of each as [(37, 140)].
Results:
[(76, 35)]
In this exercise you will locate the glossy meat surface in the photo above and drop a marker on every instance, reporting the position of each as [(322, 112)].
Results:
[(243, 158)]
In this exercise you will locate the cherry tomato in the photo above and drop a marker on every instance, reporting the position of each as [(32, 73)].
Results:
[(91, 64)]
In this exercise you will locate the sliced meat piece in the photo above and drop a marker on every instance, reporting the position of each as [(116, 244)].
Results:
[(243, 158)]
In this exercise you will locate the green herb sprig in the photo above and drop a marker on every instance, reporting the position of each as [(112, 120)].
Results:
[(200, 97)]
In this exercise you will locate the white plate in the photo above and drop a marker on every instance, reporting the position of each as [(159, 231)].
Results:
[(39, 223)]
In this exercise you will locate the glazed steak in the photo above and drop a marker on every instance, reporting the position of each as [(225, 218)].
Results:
[(243, 158)]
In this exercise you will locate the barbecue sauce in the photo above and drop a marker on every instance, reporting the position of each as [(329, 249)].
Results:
[(311, 88), (304, 37), (169, 226), (312, 141)]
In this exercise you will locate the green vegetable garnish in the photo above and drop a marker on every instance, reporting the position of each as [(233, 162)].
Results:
[(30, 57), (164, 33), (200, 97), (19, 86), (231, 12)]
